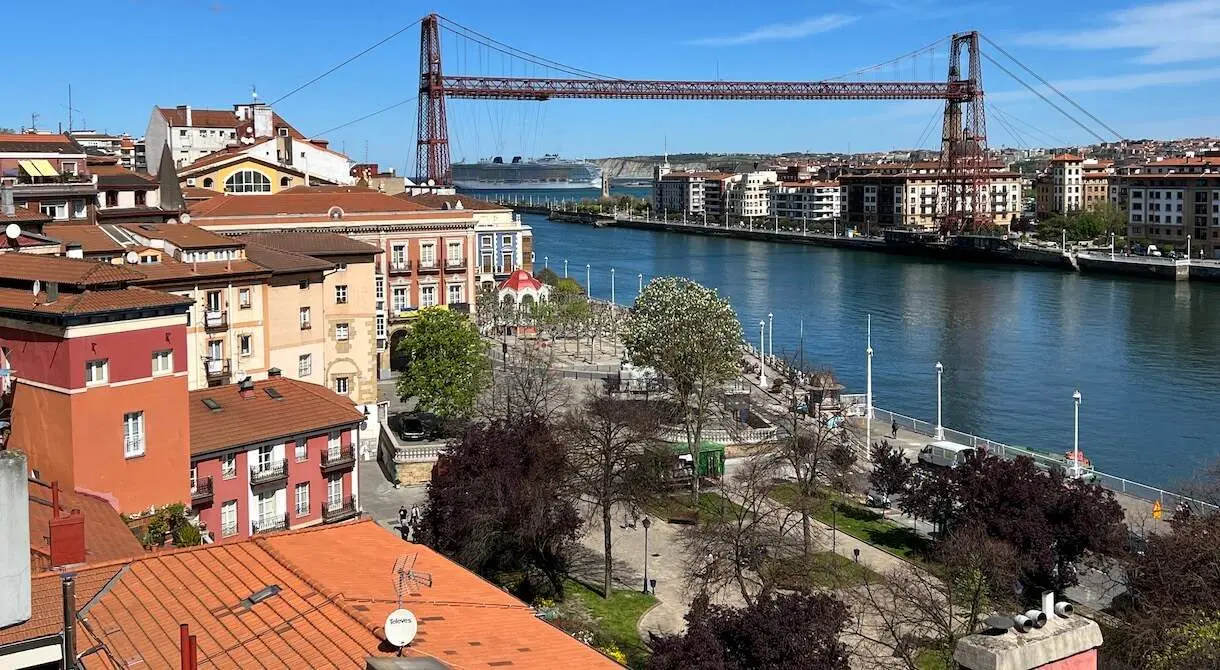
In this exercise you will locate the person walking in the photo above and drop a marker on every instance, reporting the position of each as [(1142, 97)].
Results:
[(894, 429)]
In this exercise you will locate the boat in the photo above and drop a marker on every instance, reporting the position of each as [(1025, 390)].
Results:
[(547, 173)]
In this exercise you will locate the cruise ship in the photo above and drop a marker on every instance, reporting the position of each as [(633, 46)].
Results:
[(547, 173)]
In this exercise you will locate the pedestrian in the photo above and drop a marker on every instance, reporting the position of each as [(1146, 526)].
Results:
[(402, 516), (415, 515), (894, 429)]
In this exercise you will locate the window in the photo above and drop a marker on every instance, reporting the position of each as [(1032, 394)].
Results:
[(304, 365), (427, 296), (194, 478), (243, 344), (228, 466), (342, 385), (455, 294), (285, 182), (283, 132), (228, 519), (401, 301), (247, 181), (302, 493), (303, 284), (207, 182), (334, 491), (341, 332), (215, 350), (380, 289), (133, 434), (506, 240), (163, 362), (305, 322), (243, 298), (265, 506), (112, 198), (380, 325), (398, 256), (141, 198), (341, 294), (78, 209), (182, 133), (55, 210), (97, 372), (332, 444), (302, 450), (453, 254), (340, 267), (67, 167), (263, 463), (427, 255)]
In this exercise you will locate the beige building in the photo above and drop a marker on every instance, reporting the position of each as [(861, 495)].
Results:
[(874, 202), (1060, 189), (749, 194)]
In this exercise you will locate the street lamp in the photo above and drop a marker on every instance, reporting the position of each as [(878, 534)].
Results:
[(834, 526), (588, 282), (771, 333), (1188, 247), (762, 362), (868, 388), (565, 268), (940, 429), (1076, 434), (647, 525), (546, 262), (641, 289), (612, 286)]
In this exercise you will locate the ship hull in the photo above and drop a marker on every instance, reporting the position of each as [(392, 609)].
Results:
[(480, 185)]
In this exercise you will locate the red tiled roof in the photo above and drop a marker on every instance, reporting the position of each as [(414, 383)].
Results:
[(434, 201), (183, 235), (335, 590), (71, 271), (217, 118), (87, 301), (198, 193), (311, 243), (171, 269), (91, 238), (39, 142), (278, 261), (306, 202), (21, 214), (303, 408), (107, 538), (110, 176), (1066, 158), (233, 155), (520, 280)]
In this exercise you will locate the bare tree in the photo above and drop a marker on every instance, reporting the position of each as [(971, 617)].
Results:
[(608, 439), (526, 382)]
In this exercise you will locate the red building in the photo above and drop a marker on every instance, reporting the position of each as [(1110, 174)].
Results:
[(96, 379), (270, 455)]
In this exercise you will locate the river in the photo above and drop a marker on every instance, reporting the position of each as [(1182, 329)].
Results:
[(1015, 342)]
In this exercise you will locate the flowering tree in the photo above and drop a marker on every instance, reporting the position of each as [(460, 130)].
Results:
[(691, 335)]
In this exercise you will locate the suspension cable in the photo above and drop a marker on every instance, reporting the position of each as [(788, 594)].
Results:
[(1044, 98), (928, 48), (340, 65), (370, 115), (493, 43)]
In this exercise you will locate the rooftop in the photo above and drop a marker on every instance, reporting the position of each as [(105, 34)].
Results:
[(24, 214), (311, 243), (116, 177), (87, 301), (71, 271), (435, 201), (182, 235), (300, 408), (1066, 158), (91, 238), (107, 538), (39, 143), (335, 588), (279, 261), (217, 118), (170, 269), (318, 201)]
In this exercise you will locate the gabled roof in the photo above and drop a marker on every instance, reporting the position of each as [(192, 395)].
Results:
[(318, 244), (198, 193), (279, 262), (435, 201), (39, 143), (225, 157), (92, 239), (1066, 158), (218, 118), (302, 408), (106, 536), (116, 177), (71, 271), (307, 201), (335, 589), (182, 235), (23, 214), (171, 270)]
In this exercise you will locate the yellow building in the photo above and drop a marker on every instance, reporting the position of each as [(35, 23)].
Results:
[(240, 174)]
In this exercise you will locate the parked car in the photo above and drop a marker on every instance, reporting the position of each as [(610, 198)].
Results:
[(408, 427), (877, 499), (945, 454)]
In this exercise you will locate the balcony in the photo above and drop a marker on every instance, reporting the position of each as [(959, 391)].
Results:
[(455, 265), (68, 185), (201, 492), (400, 268), (215, 320), (338, 458), (271, 472), (270, 524), (428, 267), (216, 370), (339, 510)]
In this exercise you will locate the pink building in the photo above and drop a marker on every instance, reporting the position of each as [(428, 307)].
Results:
[(272, 455)]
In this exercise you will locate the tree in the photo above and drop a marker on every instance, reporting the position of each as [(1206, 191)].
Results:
[(1051, 522), (690, 335), (607, 438), (525, 383), (891, 470), (778, 632), (447, 364), (498, 504)]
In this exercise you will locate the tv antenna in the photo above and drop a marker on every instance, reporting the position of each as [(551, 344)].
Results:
[(404, 572)]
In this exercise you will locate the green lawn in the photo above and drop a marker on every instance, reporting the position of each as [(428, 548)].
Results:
[(825, 569), (678, 507), (859, 522), (932, 660), (617, 617)]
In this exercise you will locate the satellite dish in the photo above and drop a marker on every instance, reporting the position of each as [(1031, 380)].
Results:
[(431, 182), (171, 221), (133, 257), (400, 627), (185, 218), (12, 231), (37, 288)]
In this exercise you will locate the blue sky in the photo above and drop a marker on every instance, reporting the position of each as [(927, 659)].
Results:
[(1147, 69)]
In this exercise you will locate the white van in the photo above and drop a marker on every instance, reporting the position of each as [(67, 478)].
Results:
[(945, 454)]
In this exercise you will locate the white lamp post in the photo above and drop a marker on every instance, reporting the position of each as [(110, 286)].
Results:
[(546, 262), (611, 286), (1076, 434), (868, 388), (940, 429), (641, 289), (762, 358), (565, 268), (1188, 247), (771, 333), (588, 282)]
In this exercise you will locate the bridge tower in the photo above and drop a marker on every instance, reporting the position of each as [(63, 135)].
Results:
[(432, 144)]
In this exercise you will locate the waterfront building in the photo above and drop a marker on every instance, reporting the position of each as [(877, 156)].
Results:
[(1164, 208), (48, 173), (1061, 188), (749, 194), (815, 201), (678, 193), (272, 455), (872, 202)]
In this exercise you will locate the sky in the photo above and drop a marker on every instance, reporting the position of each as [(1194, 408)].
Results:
[(1146, 69)]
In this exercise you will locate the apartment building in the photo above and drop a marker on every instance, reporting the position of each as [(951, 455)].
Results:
[(130, 152), (118, 188), (502, 243), (678, 193), (813, 201), (749, 195), (97, 372), (290, 465), (234, 172), (48, 173), (1060, 189), (918, 199), (1167, 208)]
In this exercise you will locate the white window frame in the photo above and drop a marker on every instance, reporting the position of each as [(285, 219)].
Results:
[(301, 497), (403, 305), (301, 450), (341, 294), (341, 332), (134, 435), (333, 444), (398, 255), (245, 345), (97, 371), (163, 362), (228, 526), (343, 385), (453, 253), (243, 298), (340, 267), (427, 296), (247, 181), (306, 318), (450, 291), (380, 294), (427, 254), (334, 491), (305, 365), (228, 466), (55, 210)]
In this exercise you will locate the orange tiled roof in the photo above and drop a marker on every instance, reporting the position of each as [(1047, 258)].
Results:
[(306, 201), (63, 270), (218, 118), (183, 235), (1066, 158), (107, 538), (311, 243), (87, 301), (303, 408), (434, 201), (198, 193), (24, 214), (91, 238), (170, 269), (335, 590), (277, 260), (39, 142)]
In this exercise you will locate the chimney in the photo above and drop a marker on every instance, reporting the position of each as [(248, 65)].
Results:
[(67, 538), (262, 121), (52, 292), (74, 250), (68, 584), (1020, 643), (245, 388), (15, 529), (273, 373), (188, 115), (7, 206)]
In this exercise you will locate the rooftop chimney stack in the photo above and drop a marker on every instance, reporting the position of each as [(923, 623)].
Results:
[(74, 250), (7, 205), (15, 606), (68, 584), (245, 388), (188, 116)]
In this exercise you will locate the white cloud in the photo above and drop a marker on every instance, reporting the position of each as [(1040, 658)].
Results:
[(779, 31), (1166, 32), (1118, 82)]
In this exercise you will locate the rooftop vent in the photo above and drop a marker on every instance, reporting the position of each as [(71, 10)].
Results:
[(211, 404), (259, 596), (246, 387), (274, 394), (274, 372)]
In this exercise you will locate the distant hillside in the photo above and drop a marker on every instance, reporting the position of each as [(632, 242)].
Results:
[(640, 167)]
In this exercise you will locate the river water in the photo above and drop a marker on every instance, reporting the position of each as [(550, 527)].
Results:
[(1015, 342)]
